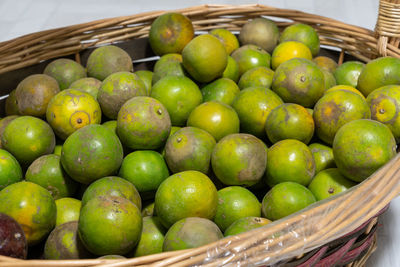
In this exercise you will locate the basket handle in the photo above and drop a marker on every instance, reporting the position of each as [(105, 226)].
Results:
[(387, 27)]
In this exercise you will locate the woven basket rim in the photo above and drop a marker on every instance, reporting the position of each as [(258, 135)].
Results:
[(381, 187)]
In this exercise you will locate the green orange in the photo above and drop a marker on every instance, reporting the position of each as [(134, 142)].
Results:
[(28, 138), (63, 243), (251, 56), (11, 107), (168, 65), (323, 156), (68, 210), (189, 148), (328, 183), (185, 194), (170, 33), (302, 33), (227, 38), (232, 70), (90, 153), (260, 31), (3, 124), (239, 159), (110, 225), (289, 161), (344, 87), (325, 63), (10, 170), (335, 109), (106, 60), (88, 85), (288, 50), (34, 93), (118, 88), (112, 186), (205, 58), (348, 73), (286, 198), (143, 123), (245, 224), (253, 105), (289, 121), (330, 80), (47, 172), (145, 169), (223, 90), (147, 77), (385, 107), (152, 237), (371, 147), (377, 73), (65, 71), (191, 232), (216, 118), (179, 95), (235, 202), (71, 110), (258, 76), (299, 81), (32, 207)]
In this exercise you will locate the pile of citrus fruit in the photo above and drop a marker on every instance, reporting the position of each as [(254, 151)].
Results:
[(226, 134)]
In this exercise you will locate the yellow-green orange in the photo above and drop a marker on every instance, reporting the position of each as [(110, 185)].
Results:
[(344, 87), (227, 38), (47, 172), (289, 121), (232, 70), (143, 123), (377, 73), (28, 138), (385, 107), (32, 207), (185, 194), (299, 81), (34, 93), (3, 124), (328, 183), (68, 210), (258, 76), (189, 148), (330, 80), (65, 71), (118, 88), (191, 232), (239, 159), (245, 224), (168, 65), (179, 95), (216, 118), (289, 161), (106, 60), (348, 73), (205, 58), (89, 85), (284, 199), (326, 63), (335, 109), (223, 90), (10, 170), (260, 31), (91, 153), (323, 156), (147, 77), (253, 105), (103, 213), (152, 237), (302, 33), (359, 155), (235, 202), (288, 50), (251, 56), (71, 110), (170, 33), (11, 107)]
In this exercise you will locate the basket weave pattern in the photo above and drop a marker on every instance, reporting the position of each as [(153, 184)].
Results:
[(313, 228)]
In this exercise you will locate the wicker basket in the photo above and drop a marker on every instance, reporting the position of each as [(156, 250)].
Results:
[(337, 231)]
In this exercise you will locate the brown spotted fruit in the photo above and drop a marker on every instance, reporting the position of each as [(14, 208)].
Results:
[(65, 71), (13, 241)]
